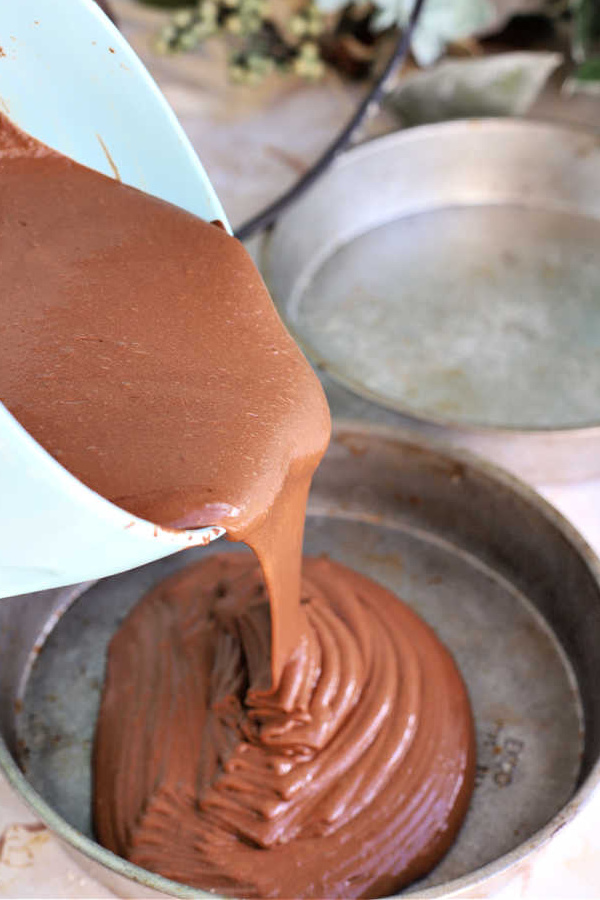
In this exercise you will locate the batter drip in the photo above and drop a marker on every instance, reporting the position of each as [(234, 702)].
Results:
[(140, 347), (247, 742)]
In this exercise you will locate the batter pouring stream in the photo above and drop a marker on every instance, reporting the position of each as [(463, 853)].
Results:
[(258, 734)]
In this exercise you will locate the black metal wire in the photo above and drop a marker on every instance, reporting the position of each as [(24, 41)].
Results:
[(268, 215)]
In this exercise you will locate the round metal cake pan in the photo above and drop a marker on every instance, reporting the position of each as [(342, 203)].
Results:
[(504, 580), (451, 274)]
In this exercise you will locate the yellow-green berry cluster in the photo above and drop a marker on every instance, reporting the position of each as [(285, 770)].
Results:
[(261, 45)]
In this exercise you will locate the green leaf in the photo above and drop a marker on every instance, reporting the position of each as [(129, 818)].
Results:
[(589, 70), (329, 6), (441, 22), (585, 80), (503, 85), (586, 29)]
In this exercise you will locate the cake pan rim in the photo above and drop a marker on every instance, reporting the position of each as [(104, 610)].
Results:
[(476, 879), (574, 433)]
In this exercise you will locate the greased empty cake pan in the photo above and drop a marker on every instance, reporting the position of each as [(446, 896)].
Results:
[(504, 580), (451, 274)]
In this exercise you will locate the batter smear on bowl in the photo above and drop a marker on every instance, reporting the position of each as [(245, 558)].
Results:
[(270, 726)]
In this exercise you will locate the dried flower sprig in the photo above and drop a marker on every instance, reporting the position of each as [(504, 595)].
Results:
[(260, 46)]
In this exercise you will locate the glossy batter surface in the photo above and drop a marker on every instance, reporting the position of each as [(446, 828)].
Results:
[(140, 347), (258, 734), (349, 780)]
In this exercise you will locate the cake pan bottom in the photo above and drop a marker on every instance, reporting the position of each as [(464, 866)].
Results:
[(449, 274), (504, 581)]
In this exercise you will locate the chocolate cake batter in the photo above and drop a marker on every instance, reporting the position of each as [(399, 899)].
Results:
[(354, 773), (140, 347), (260, 738)]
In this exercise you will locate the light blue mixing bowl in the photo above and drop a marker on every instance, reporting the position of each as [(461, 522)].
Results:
[(69, 78)]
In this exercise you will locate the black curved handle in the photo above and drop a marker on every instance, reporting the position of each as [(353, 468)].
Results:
[(268, 215)]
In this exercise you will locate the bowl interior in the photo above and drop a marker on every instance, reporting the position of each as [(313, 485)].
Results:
[(71, 80)]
